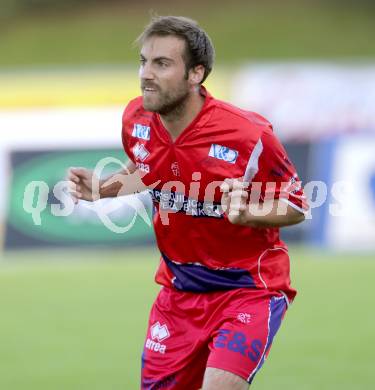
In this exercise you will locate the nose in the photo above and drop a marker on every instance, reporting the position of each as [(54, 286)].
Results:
[(145, 72)]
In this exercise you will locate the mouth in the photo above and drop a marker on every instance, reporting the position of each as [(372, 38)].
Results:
[(149, 89)]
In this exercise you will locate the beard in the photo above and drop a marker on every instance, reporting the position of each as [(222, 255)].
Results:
[(165, 102)]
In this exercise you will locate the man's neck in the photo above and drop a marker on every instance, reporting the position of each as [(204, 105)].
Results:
[(178, 120)]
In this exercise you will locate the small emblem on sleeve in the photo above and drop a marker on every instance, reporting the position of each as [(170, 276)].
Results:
[(223, 153), (140, 152), (143, 167), (141, 131)]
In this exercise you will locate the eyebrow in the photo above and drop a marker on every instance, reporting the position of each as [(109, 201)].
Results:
[(161, 58)]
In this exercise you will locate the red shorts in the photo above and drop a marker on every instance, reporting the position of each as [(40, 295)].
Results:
[(187, 332)]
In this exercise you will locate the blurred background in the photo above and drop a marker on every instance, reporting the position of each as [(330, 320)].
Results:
[(74, 295)]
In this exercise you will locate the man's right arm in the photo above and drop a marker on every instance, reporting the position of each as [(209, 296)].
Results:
[(84, 185)]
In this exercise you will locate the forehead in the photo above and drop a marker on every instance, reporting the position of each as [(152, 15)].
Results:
[(163, 46)]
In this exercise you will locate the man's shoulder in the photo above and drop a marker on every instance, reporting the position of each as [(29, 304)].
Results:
[(135, 109), (236, 115)]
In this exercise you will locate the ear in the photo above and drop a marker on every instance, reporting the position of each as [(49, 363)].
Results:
[(196, 74)]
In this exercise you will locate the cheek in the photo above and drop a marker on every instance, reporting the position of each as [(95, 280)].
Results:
[(174, 76), (179, 84)]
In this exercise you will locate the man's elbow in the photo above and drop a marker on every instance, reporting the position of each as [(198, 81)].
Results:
[(301, 217), (296, 217)]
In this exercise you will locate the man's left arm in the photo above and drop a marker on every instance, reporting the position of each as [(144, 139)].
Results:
[(270, 213), (274, 198)]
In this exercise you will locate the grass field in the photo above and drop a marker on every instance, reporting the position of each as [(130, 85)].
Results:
[(74, 324), (242, 31)]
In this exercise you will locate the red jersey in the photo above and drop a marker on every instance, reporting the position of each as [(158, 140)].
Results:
[(201, 250)]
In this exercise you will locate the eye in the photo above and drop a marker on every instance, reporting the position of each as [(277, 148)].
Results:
[(142, 61), (163, 64)]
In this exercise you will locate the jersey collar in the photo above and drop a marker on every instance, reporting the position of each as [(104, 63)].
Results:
[(208, 98)]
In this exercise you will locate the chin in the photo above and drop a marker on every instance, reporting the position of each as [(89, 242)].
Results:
[(150, 106)]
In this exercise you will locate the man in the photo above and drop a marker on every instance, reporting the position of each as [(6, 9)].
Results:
[(222, 185)]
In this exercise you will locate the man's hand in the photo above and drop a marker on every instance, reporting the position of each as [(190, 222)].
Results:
[(81, 181), (84, 184), (267, 214), (235, 201)]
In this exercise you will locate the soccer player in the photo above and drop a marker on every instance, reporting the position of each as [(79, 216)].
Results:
[(222, 185)]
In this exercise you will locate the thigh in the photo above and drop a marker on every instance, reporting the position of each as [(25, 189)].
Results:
[(175, 351), (242, 342)]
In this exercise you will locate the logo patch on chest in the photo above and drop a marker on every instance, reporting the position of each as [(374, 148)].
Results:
[(141, 131), (223, 153), (140, 152)]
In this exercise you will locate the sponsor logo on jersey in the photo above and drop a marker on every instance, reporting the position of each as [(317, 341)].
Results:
[(143, 167), (158, 334), (141, 131), (178, 202), (223, 153), (140, 152)]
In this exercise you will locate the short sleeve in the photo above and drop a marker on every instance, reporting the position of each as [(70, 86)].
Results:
[(125, 135), (276, 177)]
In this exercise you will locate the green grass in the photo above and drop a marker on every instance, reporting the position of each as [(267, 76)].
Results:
[(241, 31), (72, 324)]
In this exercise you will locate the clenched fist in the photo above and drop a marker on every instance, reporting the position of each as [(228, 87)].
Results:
[(235, 201)]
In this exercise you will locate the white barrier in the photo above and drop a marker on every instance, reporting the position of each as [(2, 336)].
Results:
[(55, 129), (309, 101)]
